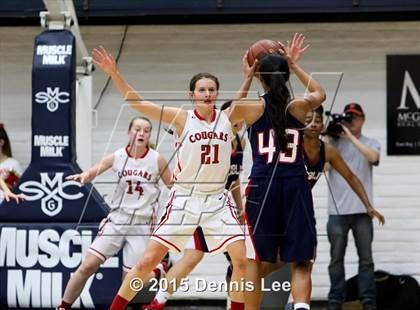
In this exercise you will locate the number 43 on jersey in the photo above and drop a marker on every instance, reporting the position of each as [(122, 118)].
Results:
[(289, 155)]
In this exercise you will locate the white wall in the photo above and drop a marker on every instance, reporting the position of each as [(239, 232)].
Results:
[(157, 58)]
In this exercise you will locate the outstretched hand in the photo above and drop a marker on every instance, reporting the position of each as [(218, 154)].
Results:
[(82, 178), (294, 50), (9, 195), (104, 60), (248, 70)]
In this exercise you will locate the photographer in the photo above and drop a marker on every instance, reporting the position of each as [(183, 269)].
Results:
[(346, 211)]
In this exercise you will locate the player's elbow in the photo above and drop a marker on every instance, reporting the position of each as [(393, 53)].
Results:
[(322, 96), (374, 159), (317, 98)]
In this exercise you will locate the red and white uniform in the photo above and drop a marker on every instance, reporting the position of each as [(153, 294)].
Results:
[(137, 191), (198, 197), (10, 172), (133, 207)]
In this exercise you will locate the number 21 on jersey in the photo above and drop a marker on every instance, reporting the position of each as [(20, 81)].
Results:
[(289, 155), (209, 154)]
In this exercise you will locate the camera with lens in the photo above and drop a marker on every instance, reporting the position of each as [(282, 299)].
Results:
[(334, 128)]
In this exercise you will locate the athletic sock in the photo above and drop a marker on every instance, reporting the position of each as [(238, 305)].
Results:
[(237, 305), (119, 303), (301, 306), (162, 296)]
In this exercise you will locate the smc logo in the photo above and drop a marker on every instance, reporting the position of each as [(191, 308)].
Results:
[(50, 191), (52, 98)]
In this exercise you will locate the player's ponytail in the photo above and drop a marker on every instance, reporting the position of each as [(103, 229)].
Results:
[(274, 71)]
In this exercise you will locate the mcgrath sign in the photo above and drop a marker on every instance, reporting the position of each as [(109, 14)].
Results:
[(403, 104)]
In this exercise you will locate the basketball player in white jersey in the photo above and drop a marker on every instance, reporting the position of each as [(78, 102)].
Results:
[(203, 141), (196, 247), (133, 207)]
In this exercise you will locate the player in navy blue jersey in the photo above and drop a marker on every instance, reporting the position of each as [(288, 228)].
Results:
[(279, 210), (319, 155)]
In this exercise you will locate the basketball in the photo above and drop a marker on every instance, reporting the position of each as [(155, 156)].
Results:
[(262, 48)]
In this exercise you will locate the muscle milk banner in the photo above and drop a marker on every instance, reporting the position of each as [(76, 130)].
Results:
[(403, 104), (43, 239)]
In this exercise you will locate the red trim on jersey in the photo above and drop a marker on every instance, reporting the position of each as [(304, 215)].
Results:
[(167, 211), (101, 227), (166, 241), (213, 116), (99, 253), (142, 156), (231, 211), (145, 153), (224, 242), (248, 188)]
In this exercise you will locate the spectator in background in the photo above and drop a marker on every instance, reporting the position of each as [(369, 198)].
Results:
[(346, 211), (10, 170)]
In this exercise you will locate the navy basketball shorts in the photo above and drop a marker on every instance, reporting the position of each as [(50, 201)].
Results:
[(280, 220)]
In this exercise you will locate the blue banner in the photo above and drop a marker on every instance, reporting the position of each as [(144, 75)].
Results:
[(49, 196), (36, 261), (44, 239)]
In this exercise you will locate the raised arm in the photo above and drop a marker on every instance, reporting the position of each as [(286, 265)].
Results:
[(314, 94), (369, 153), (90, 174), (337, 162), (171, 115), (248, 76), (250, 110)]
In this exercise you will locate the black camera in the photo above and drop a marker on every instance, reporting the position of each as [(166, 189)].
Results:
[(334, 128)]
